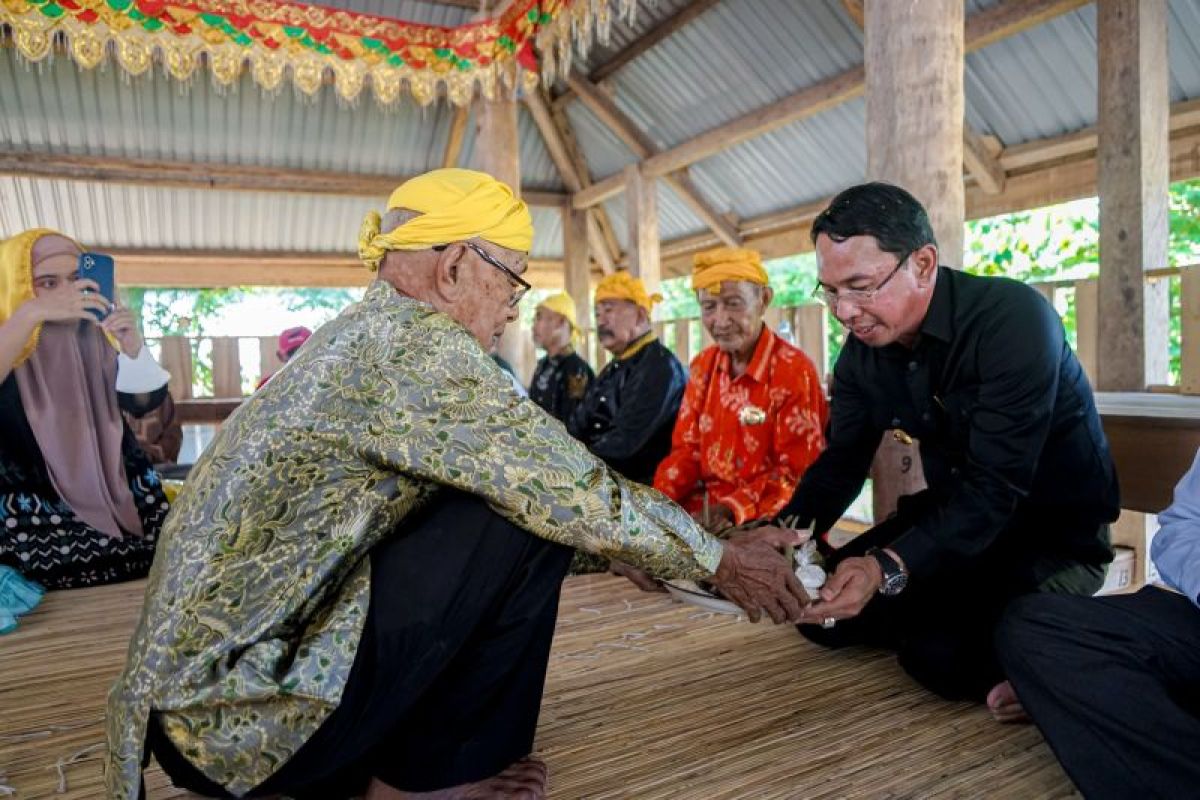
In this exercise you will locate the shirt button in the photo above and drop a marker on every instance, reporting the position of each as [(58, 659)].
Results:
[(603, 399), (596, 425), (926, 416), (895, 422), (912, 366)]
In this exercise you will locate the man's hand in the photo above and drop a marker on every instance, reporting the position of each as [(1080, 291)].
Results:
[(123, 327), (640, 579), (754, 574), (847, 591)]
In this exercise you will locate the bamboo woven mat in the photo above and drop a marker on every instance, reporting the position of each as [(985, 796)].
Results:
[(645, 698)]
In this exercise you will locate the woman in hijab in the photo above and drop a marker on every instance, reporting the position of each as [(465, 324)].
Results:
[(80, 504)]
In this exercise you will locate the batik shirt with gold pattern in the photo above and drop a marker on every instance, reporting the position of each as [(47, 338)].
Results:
[(260, 588)]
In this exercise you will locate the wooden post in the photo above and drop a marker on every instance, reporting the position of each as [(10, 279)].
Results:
[(576, 279), (268, 356), (1132, 182), (497, 153), (226, 367), (1189, 368), (914, 79), (1087, 326), (641, 210), (176, 359), (683, 341), (811, 326)]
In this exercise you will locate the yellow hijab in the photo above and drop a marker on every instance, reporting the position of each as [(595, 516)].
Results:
[(454, 204), (16, 280)]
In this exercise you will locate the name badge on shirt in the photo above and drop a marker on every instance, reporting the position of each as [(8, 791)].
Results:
[(752, 415)]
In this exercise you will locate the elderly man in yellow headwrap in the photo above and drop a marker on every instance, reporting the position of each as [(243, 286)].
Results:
[(561, 377), (358, 586), (754, 412), (628, 412)]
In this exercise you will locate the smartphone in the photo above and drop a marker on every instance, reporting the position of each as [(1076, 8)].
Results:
[(101, 269)]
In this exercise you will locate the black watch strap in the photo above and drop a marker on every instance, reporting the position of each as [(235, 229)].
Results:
[(894, 576)]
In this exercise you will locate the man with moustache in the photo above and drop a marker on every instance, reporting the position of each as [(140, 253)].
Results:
[(754, 409), (628, 413), (1021, 486)]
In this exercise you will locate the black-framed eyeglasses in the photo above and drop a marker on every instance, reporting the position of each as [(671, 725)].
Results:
[(520, 286), (860, 297)]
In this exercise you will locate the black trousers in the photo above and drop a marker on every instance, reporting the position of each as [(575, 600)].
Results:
[(942, 627), (447, 682), (1114, 685)]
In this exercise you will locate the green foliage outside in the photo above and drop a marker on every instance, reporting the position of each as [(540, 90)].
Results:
[(1050, 244)]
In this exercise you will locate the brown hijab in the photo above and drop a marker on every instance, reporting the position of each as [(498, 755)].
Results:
[(68, 392)]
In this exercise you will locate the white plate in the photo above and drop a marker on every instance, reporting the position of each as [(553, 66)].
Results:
[(689, 592)]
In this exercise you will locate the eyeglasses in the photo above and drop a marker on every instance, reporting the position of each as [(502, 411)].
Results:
[(520, 287), (860, 297)]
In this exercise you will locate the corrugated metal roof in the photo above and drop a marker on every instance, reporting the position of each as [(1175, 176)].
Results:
[(734, 58), (112, 215)]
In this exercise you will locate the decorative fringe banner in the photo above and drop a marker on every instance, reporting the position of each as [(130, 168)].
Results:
[(309, 44)]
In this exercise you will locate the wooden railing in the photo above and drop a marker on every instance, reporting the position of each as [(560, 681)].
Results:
[(807, 324)]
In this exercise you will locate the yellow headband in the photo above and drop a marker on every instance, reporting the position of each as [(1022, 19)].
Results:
[(712, 267), (454, 205), (16, 280), (623, 286), (562, 303)]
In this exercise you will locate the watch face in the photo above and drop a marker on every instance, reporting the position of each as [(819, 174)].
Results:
[(894, 584)]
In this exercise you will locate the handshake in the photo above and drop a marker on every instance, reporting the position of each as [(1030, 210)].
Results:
[(753, 573)]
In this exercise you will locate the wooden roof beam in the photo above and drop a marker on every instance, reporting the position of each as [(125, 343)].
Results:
[(229, 177), (165, 268), (981, 163), (603, 106), (458, 132), (560, 153), (1007, 18)]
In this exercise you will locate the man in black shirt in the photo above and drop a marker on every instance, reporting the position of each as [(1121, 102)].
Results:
[(629, 411), (1021, 484), (561, 377)]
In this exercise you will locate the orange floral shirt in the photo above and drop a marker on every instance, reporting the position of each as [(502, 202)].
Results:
[(746, 440)]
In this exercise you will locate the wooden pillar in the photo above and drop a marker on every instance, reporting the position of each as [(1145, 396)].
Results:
[(268, 356), (1087, 326), (226, 367), (576, 279), (1132, 181), (641, 211), (497, 153), (914, 78), (176, 359), (1189, 368)]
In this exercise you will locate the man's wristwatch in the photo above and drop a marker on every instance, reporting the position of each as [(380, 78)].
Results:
[(894, 576)]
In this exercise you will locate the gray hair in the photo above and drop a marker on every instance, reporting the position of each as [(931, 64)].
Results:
[(396, 217)]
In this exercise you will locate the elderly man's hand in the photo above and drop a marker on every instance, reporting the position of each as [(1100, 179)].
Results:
[(755, 575), (636, 576)]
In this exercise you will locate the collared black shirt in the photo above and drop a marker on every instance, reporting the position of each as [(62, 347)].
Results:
[(629, 411), (1010, 439), (559, 384)]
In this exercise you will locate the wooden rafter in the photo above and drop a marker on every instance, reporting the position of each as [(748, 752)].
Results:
[(454, 142), (603, 106), (158, 267), (981, 162), (1004, 19), (560, 154), (854, 9), (1040, 173), (647, 40), (228, 177)]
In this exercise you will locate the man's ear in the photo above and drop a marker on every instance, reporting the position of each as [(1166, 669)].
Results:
[(925, 264), (768, 294), (448, 278)]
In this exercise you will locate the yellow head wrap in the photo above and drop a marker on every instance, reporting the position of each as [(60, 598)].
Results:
[(623, 286), (562, 303), (16, 280), (454, 204), (712, 267)]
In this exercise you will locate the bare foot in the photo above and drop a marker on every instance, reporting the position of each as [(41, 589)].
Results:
[(1005, 707), (523, 780)]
